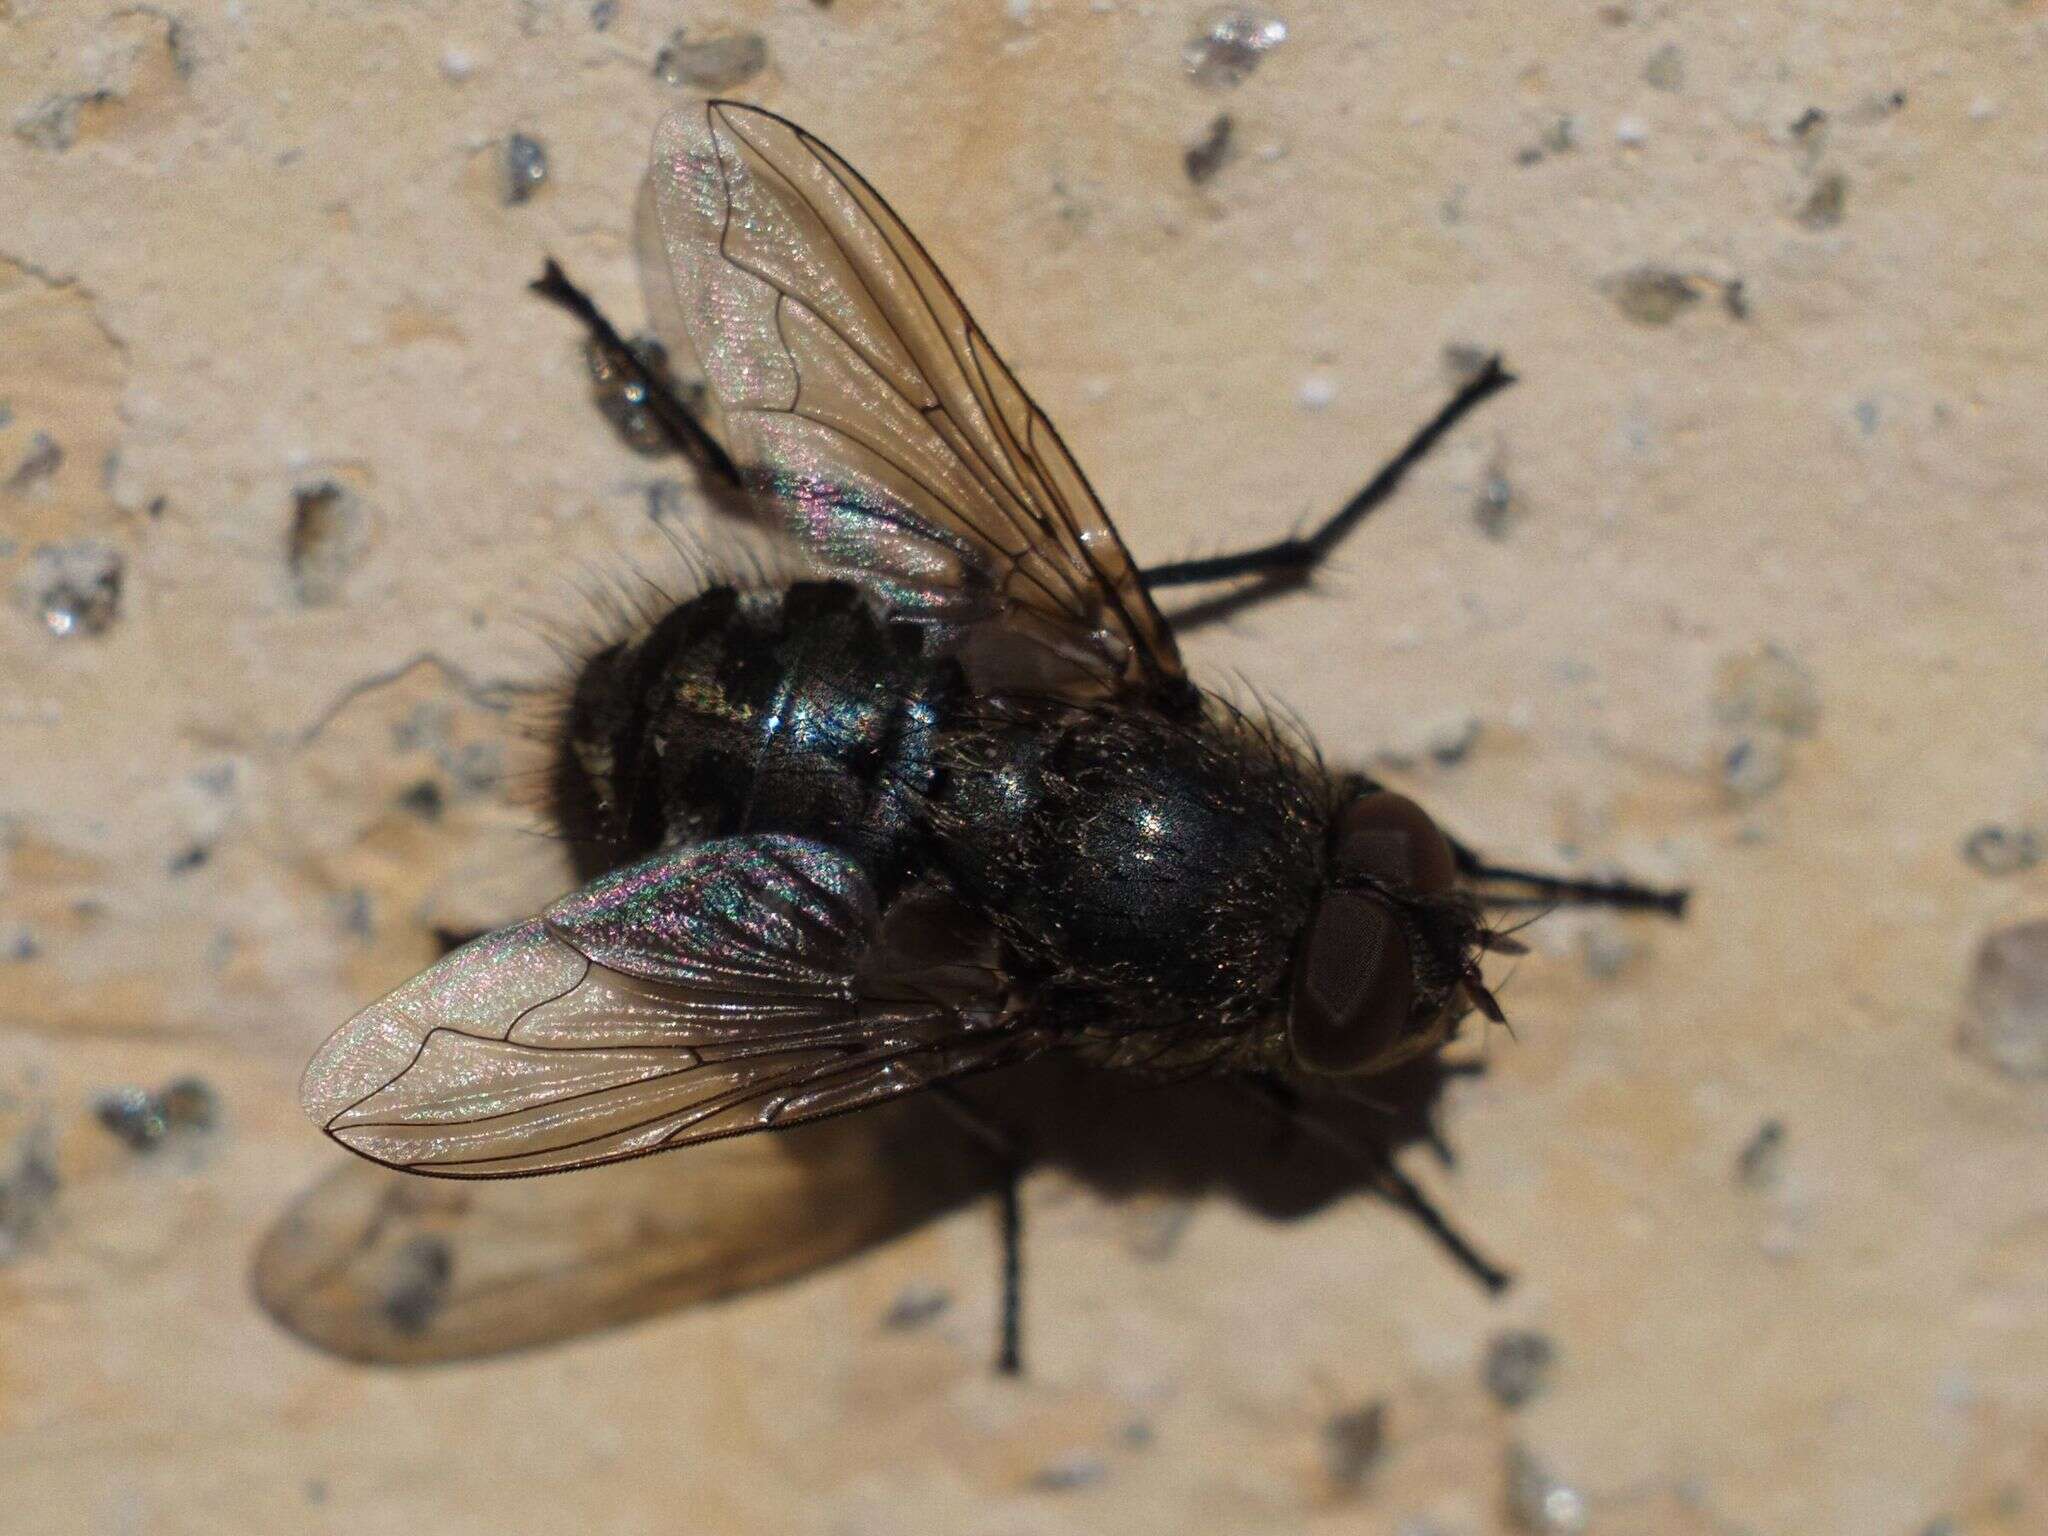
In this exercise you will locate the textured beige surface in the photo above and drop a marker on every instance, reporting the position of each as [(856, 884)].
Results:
[(252, 249)]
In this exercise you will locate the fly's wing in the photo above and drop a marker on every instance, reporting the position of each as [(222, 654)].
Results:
[(735, 986), (376, 1266), (871, 413)]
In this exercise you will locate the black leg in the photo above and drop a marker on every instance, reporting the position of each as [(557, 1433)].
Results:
[(1389, 1179), (1527, 888), (1006, 1148), (1010, 1343), (1297, 557), (677, 420)]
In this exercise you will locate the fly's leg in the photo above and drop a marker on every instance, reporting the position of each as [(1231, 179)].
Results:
[(1005, 1147), (1391, 1182), (1500, 885), (1295, 558), (677, 421)]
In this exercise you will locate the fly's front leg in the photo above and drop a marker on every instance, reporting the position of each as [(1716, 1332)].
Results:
[(1502, 885)]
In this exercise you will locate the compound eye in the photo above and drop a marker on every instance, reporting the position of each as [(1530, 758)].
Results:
[(1354, 985), (1391, 838)]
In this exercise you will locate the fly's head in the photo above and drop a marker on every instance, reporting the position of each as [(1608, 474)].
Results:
[(1390, 958)]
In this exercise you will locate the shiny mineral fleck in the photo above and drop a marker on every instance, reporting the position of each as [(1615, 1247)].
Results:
[(145, 1119), (623, 398), (1229, 43), (712, 63), (1538, 1501), (526, 167), (74, 589)]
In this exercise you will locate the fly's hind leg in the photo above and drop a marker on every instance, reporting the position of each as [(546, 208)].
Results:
[(691, 438), (1006, 1148)]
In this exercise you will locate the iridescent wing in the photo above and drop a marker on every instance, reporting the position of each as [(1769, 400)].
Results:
[(734, 986), (871, 413)]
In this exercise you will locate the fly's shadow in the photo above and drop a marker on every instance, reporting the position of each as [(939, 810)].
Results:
[(382, 1267)]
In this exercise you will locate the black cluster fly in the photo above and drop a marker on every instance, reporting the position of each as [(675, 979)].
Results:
[(952, 805)]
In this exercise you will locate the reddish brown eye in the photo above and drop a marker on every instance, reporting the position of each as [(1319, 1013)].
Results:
[(1391, 838), (1353, 985)]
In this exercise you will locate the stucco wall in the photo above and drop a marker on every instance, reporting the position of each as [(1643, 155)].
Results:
[(1742, 586)]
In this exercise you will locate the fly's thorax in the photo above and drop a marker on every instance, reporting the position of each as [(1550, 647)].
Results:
[(1143, 870)]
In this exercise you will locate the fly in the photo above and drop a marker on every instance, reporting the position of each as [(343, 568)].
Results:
[(1011, 827)]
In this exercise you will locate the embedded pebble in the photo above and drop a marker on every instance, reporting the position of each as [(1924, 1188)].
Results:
[(1764, 699), (53, 123), (43, 459), (416, 1284), (1652, 295), (28, 1186), (1559, 137), (1823, 206), (74, 589), (1517, 1366), (1229, 43), (2002, 850), (1493, 509), (1605, 949), (145, 1120), (1154, 1225), (2005, 1021), (1761, 1162), (1206, 157), (330, 534), (1353, 1443), (1538, 1501), (914, 1306), (1631, 133), (1754, 766), (714, 64), (1445, 740), (665, 499), (1665, 69), (526, 167), (424, 800), (1075, 1470), (1768, 687), (1317, 392)]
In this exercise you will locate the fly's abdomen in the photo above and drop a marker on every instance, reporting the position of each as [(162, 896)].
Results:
[(799, 711)]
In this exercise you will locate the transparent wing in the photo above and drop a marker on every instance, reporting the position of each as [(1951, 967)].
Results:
[(731, 987), (870, 410), (375, 1265)]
